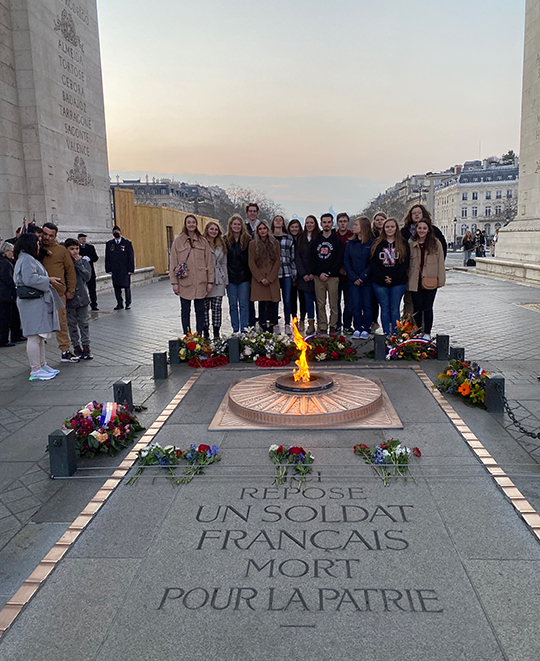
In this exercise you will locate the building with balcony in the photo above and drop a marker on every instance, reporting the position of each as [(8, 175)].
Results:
[(480, 195)]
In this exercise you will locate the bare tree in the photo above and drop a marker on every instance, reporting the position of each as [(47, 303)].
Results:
[(241, 196), (389, 202)]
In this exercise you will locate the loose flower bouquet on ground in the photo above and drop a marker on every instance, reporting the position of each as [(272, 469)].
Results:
[(262, 344), (197, 457), (155, 455), (295, 456), (389, 459), (465, 379), (107, 427)]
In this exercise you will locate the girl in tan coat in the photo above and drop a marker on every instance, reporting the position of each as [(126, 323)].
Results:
[(264, 263), (192, 249), (426, 274)]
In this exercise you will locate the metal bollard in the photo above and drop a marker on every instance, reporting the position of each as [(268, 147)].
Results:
[(379, 346), (174, 352), (161, 370), (123, 393), (443, 347), (457, 353), (494, 393), (234, 349), (62, 457)]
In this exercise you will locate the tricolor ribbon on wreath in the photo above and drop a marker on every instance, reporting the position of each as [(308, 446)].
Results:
[(108, 413)]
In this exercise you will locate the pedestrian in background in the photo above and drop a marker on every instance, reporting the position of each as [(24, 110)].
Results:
[(468, 246), (89, 254), (120, 263), (58, 264), (77, 307), (39, 315)]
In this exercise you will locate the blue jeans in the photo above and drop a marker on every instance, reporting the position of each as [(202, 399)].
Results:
[(286, 287), (310, 304), (239, 299), (361, 298), (467, 254), (389, 299)]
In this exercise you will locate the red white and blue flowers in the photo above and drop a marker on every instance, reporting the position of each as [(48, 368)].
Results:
[(389, 459)]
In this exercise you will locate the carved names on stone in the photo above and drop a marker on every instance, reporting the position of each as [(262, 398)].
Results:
[(73, 106)]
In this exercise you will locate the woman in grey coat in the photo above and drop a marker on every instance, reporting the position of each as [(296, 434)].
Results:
[(39, 316)]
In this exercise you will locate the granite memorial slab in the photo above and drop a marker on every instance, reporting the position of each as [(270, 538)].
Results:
[(235, 566)]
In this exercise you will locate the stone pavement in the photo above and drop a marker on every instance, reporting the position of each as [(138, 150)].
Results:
[(494, 320)]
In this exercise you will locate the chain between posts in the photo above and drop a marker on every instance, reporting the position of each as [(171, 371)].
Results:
[(513, 418)]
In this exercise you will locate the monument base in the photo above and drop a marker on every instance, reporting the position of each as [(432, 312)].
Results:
[(507, 269), (517, 254)]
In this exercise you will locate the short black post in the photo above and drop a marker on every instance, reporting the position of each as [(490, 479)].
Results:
[(161, 371), (495, 393), (62, 457), (457, 353), (174, 352), (234, 349), (443, 347), (379, 346), (123, 393)]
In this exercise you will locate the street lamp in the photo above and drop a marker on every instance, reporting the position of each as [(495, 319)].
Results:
[(455, 232)]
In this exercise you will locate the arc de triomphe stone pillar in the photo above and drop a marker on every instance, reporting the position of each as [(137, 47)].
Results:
[(53, 151), (517, 255)]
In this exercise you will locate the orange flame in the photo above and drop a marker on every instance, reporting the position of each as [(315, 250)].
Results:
[(302, 373)]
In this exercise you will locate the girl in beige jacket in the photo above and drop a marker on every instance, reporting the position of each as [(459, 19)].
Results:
[(192, 249), (426, 274)]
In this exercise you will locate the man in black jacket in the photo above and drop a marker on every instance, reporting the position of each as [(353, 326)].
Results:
[(120, 263), (326, 261), (88, 253)]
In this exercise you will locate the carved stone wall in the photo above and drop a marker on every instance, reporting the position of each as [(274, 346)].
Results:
[(53, 151)]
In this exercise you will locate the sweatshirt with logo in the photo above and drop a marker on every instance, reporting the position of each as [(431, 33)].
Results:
[(326, 255), (385, 261)]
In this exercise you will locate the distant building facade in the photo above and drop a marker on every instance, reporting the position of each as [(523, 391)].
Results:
[(209, 201), (480, 195)]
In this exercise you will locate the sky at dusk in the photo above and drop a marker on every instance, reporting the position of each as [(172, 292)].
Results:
[(319, 104)]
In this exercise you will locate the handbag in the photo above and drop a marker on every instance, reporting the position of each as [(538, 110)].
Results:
[(430, 282), (182, 269), (28, 292)]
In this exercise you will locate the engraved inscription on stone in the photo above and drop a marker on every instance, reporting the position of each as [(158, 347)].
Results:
[(66, 25), (78, 173)]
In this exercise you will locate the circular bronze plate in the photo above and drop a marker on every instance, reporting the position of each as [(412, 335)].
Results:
[(260, 400), (316, 383)]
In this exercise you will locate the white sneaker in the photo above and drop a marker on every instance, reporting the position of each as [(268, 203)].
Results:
[(41, 375), (356, 335), (276, 329), (50, 370), (427, 336), (288, 329), (364, 335)]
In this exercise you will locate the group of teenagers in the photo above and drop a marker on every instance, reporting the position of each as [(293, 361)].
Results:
[(371, 267)]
